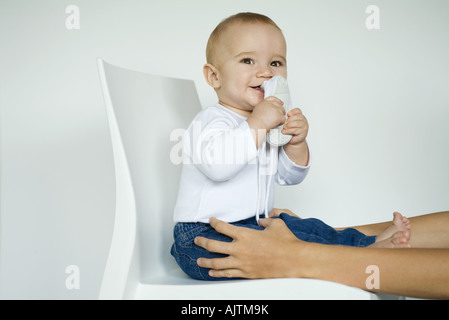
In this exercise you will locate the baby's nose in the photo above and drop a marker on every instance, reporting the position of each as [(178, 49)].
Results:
[(265, 73)]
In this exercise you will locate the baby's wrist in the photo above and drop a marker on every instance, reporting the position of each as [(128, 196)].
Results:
[(258, 130), (300, 146), (298, 153), (256, 124)]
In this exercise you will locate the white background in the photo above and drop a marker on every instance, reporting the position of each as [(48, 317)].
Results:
[(377, 102)]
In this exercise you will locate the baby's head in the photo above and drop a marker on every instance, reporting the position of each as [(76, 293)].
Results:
[(243, 51)]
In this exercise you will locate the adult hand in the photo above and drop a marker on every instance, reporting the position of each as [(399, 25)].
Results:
[(275, 212), (253, 253)]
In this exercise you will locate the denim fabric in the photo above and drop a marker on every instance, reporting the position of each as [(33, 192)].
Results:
[(314, 230), (186, 252)]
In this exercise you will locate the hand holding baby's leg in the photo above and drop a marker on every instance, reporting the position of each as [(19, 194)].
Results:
[(277, 212)]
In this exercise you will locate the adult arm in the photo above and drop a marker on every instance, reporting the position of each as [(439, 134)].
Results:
[(427, 231), (276, 253)]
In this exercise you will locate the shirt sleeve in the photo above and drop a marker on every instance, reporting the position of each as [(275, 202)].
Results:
[(222, 149), (289, 173)]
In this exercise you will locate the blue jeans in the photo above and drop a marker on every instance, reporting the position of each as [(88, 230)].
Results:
[(186, 252)]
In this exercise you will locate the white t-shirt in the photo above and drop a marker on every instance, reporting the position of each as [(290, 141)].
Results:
[(224, 175)]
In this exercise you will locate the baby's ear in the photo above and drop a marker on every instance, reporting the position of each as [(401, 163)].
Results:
[(211, 74)]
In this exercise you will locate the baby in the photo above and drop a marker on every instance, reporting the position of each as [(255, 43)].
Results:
[(229, 168)]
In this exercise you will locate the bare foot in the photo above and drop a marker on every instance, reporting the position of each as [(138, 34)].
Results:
[(397, 240), (395, 236)]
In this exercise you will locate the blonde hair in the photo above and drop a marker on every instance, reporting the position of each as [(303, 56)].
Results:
[(242, 17)]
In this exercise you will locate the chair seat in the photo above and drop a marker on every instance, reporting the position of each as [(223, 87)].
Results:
[(176, 285)]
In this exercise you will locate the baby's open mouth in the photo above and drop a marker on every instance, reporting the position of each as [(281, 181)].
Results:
[(259, 88)]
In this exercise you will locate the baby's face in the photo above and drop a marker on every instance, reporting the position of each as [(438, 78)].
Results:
[(249, 55)]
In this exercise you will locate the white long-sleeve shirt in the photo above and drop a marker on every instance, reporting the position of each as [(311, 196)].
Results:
[(224, 175)]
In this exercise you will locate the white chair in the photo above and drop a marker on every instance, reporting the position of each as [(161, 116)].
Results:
[(143, 111)]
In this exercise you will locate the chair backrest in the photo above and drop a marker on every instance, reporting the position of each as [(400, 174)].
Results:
[(151, 112)]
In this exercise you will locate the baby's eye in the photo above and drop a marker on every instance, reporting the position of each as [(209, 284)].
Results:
[(247, 61), (276, 64)]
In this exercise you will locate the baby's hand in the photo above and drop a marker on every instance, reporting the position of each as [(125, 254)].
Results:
[(296, 125), (268, 114)]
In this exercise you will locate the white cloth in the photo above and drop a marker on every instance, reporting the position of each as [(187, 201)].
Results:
[(224, 175)]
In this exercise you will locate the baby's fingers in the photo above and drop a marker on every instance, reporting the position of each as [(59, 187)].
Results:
[(295, 111), (275, 100)]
